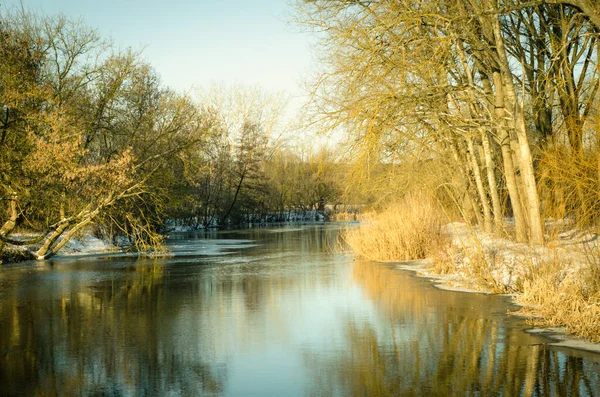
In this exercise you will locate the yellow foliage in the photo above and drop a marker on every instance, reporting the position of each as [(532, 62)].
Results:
[(570, 185)]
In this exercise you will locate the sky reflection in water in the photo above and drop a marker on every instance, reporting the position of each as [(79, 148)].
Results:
[(265, 312)]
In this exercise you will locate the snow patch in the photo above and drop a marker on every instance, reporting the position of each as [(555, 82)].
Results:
[(85, 245), (507, 262)]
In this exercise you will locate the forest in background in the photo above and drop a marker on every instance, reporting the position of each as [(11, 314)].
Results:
[(91, 141)]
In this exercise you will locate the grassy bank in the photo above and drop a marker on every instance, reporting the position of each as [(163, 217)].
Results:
[(558, 285)]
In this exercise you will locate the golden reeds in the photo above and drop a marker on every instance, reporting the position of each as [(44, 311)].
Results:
[(555, 296), (409, 229)]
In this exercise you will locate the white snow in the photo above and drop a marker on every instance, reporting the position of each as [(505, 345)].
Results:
[(509, 263), (85, 245)]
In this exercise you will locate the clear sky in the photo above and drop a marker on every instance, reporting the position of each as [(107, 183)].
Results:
[(196, 42)]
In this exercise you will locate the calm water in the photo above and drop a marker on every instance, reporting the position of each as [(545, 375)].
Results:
[(267, 312)]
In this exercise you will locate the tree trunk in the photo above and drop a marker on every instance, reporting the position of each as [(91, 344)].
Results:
[(491, 178), (503, 137), (524, 156), (42, 252), (467, 183), (237, 192), (486, 155), (475, 169), (10, 224), (67, 237)]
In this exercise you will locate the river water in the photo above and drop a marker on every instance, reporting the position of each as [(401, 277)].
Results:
[(265, 312)]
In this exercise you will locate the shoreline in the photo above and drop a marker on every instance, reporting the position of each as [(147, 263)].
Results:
[(557, 336)]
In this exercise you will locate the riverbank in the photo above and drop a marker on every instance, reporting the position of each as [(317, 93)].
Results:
[(555, 285), (453, 282), (86, 244)]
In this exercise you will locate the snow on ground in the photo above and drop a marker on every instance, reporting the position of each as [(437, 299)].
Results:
[(85, 245), (508, 262)]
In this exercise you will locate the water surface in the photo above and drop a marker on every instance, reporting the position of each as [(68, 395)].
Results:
[(265, 312)]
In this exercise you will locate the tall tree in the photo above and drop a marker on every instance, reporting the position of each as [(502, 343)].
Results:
[(85, 131)]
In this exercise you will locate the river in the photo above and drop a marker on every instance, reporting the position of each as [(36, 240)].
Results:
[(265, 312)]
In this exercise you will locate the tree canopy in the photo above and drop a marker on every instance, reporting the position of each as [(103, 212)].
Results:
[(486, 89)]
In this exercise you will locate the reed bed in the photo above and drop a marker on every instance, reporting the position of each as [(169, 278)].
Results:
[(409, 229), (555, 295)]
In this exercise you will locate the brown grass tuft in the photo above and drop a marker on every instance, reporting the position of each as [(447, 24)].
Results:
[(570, 185), (560, 300), (410, 229), (559, 293)]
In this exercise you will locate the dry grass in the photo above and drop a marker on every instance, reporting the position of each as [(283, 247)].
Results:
[(559, 287), (410, 229), (562, 293), (486, 275), (562, 303), (343, 216), (479, 268), (556, 289), (480, 265), (559, 295), (570, 185)]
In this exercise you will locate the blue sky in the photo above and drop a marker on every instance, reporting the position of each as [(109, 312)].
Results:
[(196, 42)]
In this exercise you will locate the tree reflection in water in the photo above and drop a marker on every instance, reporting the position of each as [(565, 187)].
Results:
[(151, 327), (432, 343), (113, 340)]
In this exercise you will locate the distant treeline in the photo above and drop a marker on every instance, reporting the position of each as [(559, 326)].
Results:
[(91, 140)]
